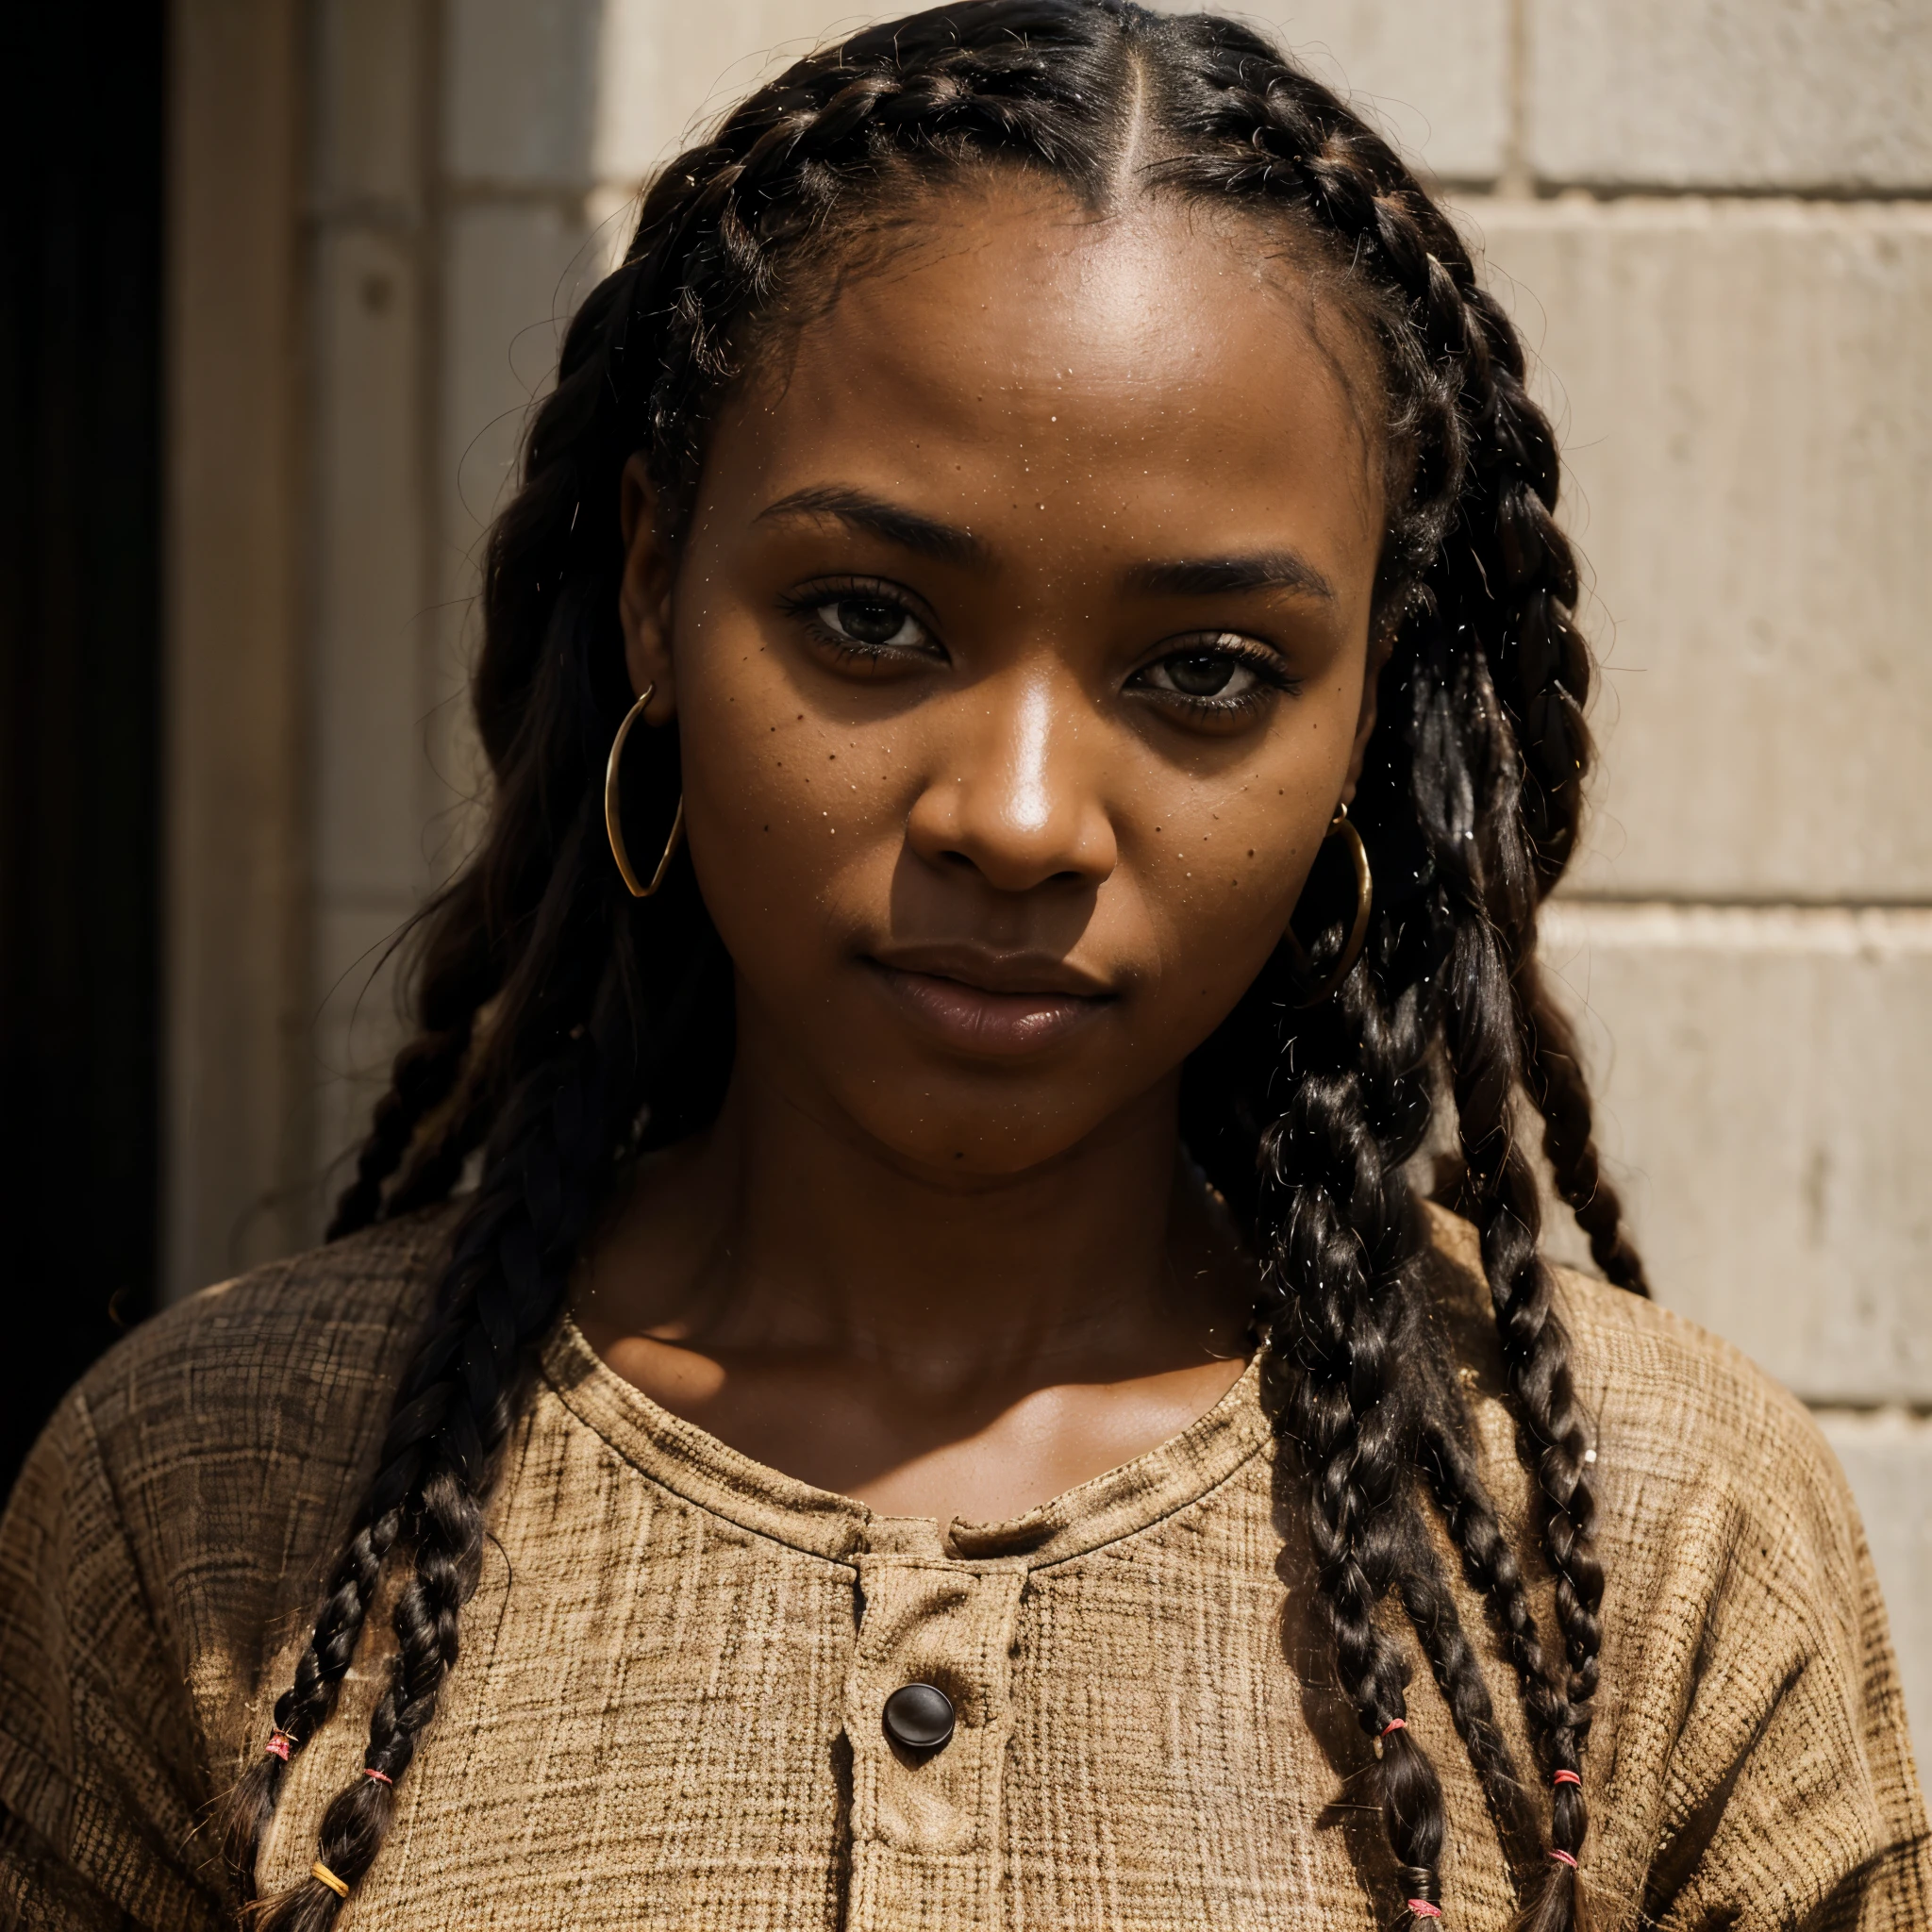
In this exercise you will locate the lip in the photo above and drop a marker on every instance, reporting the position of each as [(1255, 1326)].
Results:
[(1004, 1004)]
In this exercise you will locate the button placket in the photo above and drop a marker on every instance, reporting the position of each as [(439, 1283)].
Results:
[(925, 1823)]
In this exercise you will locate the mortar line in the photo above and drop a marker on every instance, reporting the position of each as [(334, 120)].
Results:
[(1708, 902), (1914, 1411)]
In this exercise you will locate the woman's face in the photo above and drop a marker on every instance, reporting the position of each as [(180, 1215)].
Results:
[(1019, 653)]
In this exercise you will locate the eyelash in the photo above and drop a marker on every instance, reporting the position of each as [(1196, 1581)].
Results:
[(805, 605), (1271, 676)]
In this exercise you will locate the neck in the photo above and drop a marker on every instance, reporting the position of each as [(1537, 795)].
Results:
[(786, 1231)]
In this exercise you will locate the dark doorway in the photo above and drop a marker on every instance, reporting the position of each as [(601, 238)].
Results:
[(81, 384)]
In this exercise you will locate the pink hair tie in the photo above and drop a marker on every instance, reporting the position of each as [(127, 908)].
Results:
[(278, 1745), (1394, 1724), (1421, 1909), (1566, 1778), (1562, 1858), (381, 1777)]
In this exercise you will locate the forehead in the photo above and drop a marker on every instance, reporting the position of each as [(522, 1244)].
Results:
[(1004, 333)]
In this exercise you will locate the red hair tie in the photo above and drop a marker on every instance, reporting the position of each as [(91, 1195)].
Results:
[(381, 1777), (1566, 1778), (278, 1745), (1562, 1858), (1394, 1724), (1421, 1909)]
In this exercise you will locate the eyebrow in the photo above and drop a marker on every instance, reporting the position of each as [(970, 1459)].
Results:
[(892, 521), (1205, 577), (1208, 576)]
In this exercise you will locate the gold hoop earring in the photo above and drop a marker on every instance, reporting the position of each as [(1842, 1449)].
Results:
[(1357, 933), (613, 808)]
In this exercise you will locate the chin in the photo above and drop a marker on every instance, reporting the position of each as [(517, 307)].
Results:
[(978, 1143)]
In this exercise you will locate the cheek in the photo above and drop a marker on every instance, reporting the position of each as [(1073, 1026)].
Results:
[(1220, 861), (1219, 878), (792, 818)]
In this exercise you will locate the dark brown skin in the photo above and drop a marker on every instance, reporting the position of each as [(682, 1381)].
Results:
[(987, 885)]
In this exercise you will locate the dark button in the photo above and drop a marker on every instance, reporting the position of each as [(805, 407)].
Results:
[(919, 1716)]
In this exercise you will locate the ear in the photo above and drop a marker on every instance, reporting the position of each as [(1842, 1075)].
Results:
[(1381, 648), (644, 600)]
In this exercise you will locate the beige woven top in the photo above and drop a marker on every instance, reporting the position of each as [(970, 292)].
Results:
[(668, 1707)]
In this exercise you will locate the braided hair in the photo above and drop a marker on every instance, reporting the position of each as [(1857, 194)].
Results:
[(609, 1026)]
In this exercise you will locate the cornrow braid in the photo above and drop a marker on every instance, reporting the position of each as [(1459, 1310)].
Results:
[(1490, 1564), (1523, 567), (455, 1408), (511, 1264), (1359, 188), (1341, 1247), (425, 1072), (1360, 1085), (1556, 1085), (1521, 747), (1541, 675), (610, 1023), (1394, 1059), (301, 1711), (1482, 1050), (438, 1166), (1431, 1609)]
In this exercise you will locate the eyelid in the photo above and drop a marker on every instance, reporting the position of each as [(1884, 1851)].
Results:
[(1266, 660), (804, 603), (826, 589)]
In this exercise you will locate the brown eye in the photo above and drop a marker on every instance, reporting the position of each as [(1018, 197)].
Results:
[(1212, 680), (871, 621), (1201, 674)]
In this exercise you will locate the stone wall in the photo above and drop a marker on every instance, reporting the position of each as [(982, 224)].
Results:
[(1712, 219)]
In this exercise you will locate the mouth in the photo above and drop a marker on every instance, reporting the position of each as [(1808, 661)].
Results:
[(984, 1003)]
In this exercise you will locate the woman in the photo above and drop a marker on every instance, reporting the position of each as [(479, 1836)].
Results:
[(1033, 702)]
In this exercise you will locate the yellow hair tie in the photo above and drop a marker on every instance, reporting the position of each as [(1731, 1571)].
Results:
[(335, 1885)]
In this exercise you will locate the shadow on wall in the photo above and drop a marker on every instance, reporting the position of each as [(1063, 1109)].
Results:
[(79, 682)]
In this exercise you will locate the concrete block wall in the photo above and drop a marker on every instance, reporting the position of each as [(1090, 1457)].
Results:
[(1715, 235), (1712, 218)]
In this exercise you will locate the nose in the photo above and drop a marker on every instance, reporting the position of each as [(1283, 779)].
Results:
[(1014, 792)]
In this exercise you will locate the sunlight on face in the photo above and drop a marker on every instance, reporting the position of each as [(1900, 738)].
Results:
[(1017, 649)]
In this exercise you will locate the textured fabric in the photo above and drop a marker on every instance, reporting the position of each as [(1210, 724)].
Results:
[(667, 1713)]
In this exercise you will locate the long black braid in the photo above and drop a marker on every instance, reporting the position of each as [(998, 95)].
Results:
[(608, 1024)]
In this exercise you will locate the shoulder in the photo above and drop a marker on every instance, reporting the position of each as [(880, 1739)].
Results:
[(203, 1468), (1665, 1394), (283, 1362), (1722, 1509), (1748, 1671), (166, 1533)]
